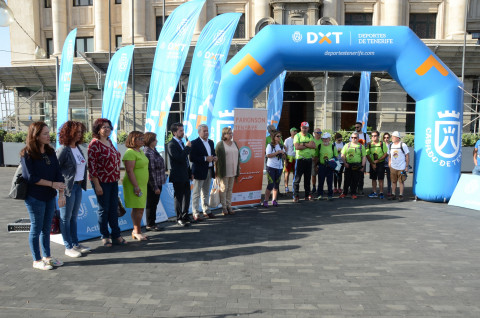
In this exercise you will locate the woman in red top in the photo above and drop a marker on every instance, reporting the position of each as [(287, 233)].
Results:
[(104, 168)]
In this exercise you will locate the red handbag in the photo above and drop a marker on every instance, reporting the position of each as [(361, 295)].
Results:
[(55, 228)]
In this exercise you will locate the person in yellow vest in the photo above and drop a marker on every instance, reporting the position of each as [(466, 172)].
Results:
[(377, 151), (353, 155), (324, 153), (304, 152)]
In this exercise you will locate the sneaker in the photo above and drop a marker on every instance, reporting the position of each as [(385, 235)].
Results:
[(309, 198), (400, 198), (342, 196), (265, 204), (392, 197), (286, 190), (72, 252), (295, 199), (82, 248), (373, 195), (274, 203), (330, 198), (354, 197), (52, 261), (314, 189), (381, 195), (41, 265), (320, 197)]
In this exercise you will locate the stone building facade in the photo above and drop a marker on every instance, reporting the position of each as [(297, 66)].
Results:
[(103, 26)]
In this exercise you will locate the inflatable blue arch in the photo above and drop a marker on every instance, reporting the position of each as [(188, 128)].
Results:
[(396, 50)]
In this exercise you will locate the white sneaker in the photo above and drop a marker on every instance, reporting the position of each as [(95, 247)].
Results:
[(82, 248), (72, 252), (52, 261), (41, 265)]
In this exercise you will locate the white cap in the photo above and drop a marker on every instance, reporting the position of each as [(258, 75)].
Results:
[(396, 134), (326, 135)]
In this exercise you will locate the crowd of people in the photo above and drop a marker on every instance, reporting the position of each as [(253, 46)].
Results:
[(316, 158), (319, 157)]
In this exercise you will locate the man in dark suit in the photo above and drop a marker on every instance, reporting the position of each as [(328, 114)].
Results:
[(180, 173), (202, 157)]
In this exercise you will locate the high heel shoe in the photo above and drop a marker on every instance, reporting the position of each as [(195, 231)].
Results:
[(139, 236)]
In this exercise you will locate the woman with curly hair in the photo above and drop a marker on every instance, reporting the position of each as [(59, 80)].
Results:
[(41, 170), (104, 171), (73, 165)]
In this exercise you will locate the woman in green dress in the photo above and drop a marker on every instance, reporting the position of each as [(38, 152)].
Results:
[(135, 181)]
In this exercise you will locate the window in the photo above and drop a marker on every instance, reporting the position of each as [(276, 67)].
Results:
[(240, 31), (118, 1), (358, 18), (49, 47), (48, 3), (118, 41), (81, 3), (423, 24), (84, 45), (410, 118), (159, 25)]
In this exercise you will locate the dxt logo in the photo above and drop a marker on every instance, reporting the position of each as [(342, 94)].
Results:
[(319, 37)]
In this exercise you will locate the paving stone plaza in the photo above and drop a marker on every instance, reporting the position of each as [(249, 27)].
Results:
[(345, 258)]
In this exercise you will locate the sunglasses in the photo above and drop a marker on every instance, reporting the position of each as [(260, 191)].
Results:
[(278, 136), (354, 137), (47, 160), (358, 127)]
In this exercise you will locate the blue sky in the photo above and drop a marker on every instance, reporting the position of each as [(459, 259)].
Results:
[(5, 57)]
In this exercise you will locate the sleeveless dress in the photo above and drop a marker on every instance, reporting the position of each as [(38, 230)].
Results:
[(141, 174)]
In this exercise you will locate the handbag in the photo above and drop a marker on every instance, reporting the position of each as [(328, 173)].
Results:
[(214, 194), (19, 185), (55, 227), (121, 208)]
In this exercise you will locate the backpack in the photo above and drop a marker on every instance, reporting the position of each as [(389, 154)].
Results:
[(19, 186), (401, 147)]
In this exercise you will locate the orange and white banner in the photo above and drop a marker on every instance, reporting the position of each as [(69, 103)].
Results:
[(249, 134)]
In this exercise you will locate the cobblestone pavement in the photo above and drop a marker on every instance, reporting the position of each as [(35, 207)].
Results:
[(364, 258)]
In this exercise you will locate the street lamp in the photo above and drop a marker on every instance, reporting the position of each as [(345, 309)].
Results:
[(7, 18)]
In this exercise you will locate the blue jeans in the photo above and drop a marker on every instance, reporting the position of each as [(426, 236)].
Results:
[(108, 210), (41, 215), (476, 170), (325, 172), (68, 217)]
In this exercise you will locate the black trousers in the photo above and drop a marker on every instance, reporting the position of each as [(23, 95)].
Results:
[(152, 202), (337, 178), (303, 167), (181, 195), (352, 177)]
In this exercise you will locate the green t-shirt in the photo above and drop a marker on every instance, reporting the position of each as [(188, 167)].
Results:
[(379, 149), (317, 142), (325, 152), (304, 153), (354, 153)]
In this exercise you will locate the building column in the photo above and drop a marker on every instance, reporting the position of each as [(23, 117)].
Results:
[(312, 13), (334, 9), (393, 12), (59, 23), (455, 21), (278, 13), (101, 25), (140, 21), (262, 10), (202, 20)]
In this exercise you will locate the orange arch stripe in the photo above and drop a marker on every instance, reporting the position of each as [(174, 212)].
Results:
[(248, 60), (428, 64)]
